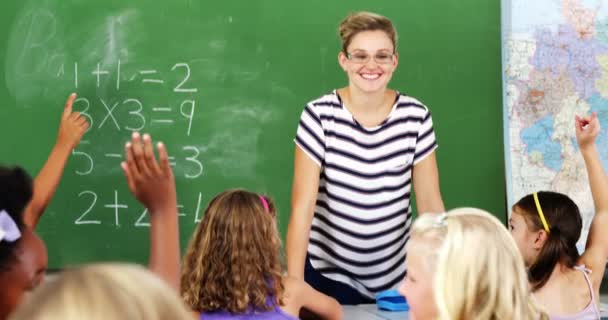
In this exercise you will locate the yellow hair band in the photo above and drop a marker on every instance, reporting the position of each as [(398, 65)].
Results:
[(540, 213)]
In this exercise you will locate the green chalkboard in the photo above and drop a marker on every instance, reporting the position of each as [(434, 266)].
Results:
[(223, 84)]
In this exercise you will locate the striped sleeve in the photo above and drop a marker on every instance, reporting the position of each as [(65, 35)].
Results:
[(310, 136), (425, 142)]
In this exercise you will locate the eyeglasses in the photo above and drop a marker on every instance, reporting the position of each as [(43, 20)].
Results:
[(361, 57)]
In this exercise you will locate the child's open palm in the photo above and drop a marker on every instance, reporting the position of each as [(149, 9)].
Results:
[(151, 182)]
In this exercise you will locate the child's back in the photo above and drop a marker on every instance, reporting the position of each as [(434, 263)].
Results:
[(232, 267), (276, 313), (569, 297)]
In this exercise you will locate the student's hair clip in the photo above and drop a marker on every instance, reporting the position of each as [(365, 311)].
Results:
[(9, 231), (265, 203), (440, 220)]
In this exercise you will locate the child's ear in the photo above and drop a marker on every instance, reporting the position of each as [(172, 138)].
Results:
[(540, 239)]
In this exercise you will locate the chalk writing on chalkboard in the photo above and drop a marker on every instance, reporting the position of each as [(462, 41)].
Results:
[(130, 113), (87, 216)]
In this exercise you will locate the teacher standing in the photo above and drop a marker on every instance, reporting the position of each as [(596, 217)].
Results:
[(359, 150)]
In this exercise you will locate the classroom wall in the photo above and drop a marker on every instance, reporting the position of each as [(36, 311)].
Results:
[(223, 85)]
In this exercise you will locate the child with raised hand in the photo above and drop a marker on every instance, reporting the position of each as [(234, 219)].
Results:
[(546, 227), (232, 269), (23, 256)]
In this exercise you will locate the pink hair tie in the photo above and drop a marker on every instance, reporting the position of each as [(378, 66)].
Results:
[(265, 203)]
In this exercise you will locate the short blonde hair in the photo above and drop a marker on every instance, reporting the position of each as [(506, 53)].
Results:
[(104, 291), (479, 272), (362, 21)]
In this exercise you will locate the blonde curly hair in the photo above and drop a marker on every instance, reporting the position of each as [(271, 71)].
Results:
[(232, 262)]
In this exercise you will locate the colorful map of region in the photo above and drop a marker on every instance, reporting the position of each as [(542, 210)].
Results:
[(555, 66)]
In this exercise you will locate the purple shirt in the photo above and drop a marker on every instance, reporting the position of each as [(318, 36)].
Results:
[(275, 314)]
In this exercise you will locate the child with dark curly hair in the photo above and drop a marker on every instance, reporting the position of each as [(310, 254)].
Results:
[(232, 267)]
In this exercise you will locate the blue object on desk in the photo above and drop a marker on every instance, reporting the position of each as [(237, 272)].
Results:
[(391, 300)]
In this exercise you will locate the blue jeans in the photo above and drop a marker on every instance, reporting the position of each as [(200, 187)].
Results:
[(345, 294)]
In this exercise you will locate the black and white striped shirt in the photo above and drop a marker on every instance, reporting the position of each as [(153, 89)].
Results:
[(362, 216)]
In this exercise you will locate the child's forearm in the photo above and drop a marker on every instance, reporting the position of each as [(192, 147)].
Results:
[(46, 183), (598, 180), (164, 246)]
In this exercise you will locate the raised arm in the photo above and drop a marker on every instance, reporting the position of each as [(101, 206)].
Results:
[(596, 252), (71, 128), (153, 184)]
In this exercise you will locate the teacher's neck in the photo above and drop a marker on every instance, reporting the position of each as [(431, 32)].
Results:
[(365, 102)]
